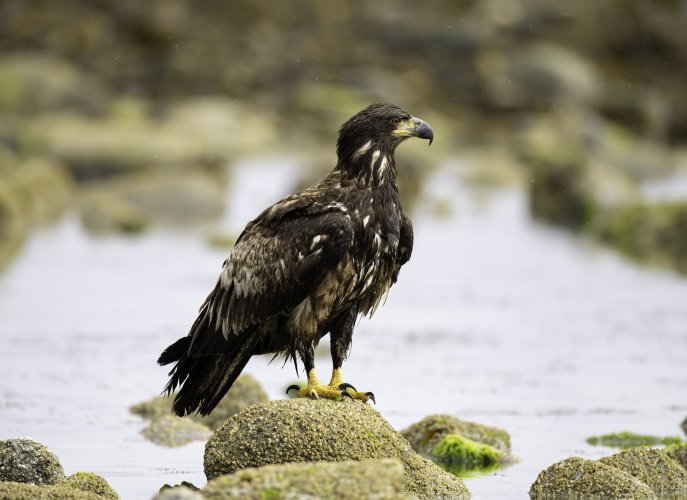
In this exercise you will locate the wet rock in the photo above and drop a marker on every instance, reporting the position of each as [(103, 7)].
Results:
[(426, 434), (580, 478), (655, 233), (246, 391), (90, 482), (630, 440), (183, 491), (102, 213), (192, 134), (33, 192), (26, 87), (539, 75), (129, 203), (174, 431), (378, 479), (677, 452), (28, 491), (652, 467), (24, 460), (301, 430)]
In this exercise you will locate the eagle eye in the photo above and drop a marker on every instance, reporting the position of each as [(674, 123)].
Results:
[(396, 121)]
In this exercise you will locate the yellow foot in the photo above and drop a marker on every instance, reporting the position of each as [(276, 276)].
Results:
[(336, 389)]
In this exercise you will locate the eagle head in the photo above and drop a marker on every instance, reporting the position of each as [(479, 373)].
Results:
[(381, 127)]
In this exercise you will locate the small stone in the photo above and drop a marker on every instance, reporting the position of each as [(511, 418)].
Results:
[(174, 431)]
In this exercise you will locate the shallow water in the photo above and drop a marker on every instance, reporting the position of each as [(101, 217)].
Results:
[(495, 319)]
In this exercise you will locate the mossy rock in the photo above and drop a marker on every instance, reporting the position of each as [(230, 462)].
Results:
[(677, 452), (172, 431), (631, 440), (183, 491), (367, 479), (650, 232), (25, 460), (426, 434), (577, 477), (130, 202), (651, 466), (27, 491), (90, 482), (245, 392), (457, 450), (303, 430)]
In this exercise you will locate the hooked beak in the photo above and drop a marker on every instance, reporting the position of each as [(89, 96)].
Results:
[(416, 128), (422, 130)]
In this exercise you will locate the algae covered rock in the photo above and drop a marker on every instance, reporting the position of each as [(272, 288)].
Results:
[(303, 430), (461, 454), (246, 391), (175, 431), (577, 477), (28, 491), (378, 479), (426, 434), (179, 492), (24, 460), (678, 452), (653, 467), (90, 482)]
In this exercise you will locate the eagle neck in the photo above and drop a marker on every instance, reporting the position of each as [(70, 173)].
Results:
[(373, 168)]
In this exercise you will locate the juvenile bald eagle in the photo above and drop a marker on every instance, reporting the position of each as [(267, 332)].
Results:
[(306, 266)]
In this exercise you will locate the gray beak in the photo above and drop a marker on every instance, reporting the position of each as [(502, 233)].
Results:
[(423, 130)]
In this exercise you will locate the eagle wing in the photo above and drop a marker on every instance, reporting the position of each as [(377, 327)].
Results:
[(277, 262)]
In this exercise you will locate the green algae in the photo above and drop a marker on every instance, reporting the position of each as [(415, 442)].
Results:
[(460, 451), (628, 439)]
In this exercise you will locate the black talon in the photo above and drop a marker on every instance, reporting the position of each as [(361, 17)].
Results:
[(293, 386), (345, 386), (345, 393), (371, 396)]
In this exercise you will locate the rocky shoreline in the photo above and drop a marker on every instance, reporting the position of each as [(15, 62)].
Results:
[(345, 449)]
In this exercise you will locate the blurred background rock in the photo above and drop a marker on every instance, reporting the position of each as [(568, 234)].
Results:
[(130, 112)]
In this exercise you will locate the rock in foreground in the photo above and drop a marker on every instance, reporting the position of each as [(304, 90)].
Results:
[(367, 479), (652, 467), (303, 430), (93, 483), (24, 460), (577, 477), (27, 491), (678, 452)]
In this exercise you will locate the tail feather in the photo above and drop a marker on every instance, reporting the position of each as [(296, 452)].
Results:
[(207, 364)]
